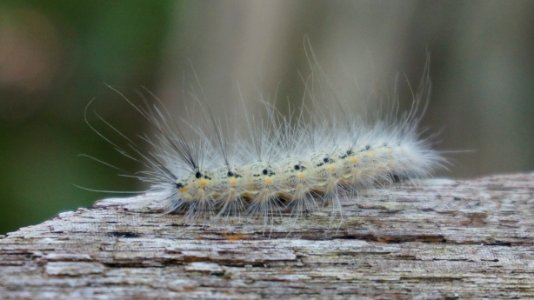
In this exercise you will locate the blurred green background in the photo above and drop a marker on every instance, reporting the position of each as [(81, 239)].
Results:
[(55, 56)]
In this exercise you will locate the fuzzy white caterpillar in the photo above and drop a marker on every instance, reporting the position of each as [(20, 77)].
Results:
[(282, 164)]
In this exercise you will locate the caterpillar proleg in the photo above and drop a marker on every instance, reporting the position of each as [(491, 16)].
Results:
[(315, 155)]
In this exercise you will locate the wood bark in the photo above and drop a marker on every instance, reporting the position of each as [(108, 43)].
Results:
[(440, 239)]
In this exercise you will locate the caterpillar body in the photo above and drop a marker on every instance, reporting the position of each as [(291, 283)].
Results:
[(280, 163)]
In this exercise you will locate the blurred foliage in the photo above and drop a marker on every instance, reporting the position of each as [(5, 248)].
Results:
[(62, 54)]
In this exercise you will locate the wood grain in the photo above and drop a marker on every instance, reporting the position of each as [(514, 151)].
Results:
[(438, 239)]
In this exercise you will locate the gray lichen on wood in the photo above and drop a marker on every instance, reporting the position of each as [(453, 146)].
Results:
[(440, 238)]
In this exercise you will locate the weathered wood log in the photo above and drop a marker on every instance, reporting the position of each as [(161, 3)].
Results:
[(439, 239)]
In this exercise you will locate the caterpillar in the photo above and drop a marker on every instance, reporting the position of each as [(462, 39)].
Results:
[(294, 163)]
